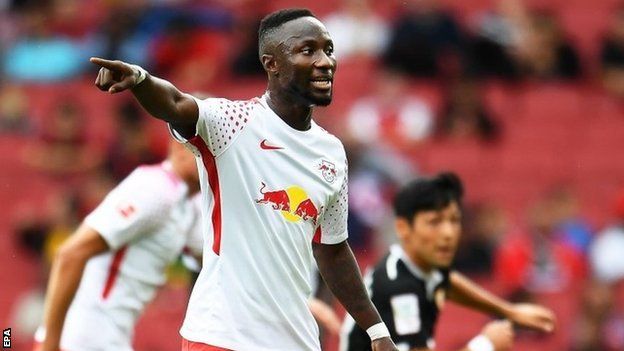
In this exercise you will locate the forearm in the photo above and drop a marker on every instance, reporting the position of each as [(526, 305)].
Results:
[(65, 277), (467, 293), (339, 269), (161, 99)]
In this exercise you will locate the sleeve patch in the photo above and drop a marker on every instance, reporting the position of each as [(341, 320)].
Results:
[(126, 210)]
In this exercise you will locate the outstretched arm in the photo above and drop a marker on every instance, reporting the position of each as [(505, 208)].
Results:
[(339, 269), (467, 293), (65, 277), (159, 97)]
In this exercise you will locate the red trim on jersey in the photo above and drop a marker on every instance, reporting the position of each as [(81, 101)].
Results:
[(317, 235), (198, 346), (113, 271), (213, 180)]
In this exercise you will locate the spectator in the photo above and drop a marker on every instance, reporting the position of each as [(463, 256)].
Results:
[(496, 36), (62, 148), (188, 53), (245, 61), (14, 118), (425, 41), (544, 52), (465, 116), (538, 260), (376, 174), (612, 56), (118, 34), (601, 325), (390, 116), (357, 30), (573, 228), (40, 55), (605, 253), (73, 19), (485, 225)]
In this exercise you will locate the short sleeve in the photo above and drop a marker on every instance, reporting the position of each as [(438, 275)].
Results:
[(219, 122), (333, 227), (134, 208)]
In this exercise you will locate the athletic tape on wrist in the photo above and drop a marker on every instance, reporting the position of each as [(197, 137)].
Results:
[(378, 331), (142, 74), (480, 343)]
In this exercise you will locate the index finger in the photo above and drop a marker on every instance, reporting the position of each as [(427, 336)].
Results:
[(112, 65)]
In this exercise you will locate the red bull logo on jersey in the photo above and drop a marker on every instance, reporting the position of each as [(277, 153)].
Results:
[(278, 199), (293, 203)]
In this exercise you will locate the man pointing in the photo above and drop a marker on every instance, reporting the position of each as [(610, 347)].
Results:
[(252, 294)]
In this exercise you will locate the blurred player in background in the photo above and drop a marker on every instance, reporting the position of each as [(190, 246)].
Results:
[(409, 286), (110, 268), (274, 190)]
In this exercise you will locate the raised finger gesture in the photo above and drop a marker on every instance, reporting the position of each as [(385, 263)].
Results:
[(117, 76)]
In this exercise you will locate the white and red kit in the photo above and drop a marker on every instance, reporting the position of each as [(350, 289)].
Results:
[(147, 221), (269, 191)]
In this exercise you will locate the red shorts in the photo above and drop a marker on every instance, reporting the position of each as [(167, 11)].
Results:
[(198, 346)]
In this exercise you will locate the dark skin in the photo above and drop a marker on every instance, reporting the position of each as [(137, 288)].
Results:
[(299, 61), (301, 51)]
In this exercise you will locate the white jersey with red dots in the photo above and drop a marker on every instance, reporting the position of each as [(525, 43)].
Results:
[(269, 191), (147, 221)]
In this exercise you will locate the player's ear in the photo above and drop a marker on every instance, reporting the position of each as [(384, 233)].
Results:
[(269, 63), (402, 226)]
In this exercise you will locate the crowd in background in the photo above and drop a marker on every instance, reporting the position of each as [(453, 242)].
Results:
[(211, 46)]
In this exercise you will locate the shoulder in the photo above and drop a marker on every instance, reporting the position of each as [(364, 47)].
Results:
[(226, 106), (152, 182), (334, 144)]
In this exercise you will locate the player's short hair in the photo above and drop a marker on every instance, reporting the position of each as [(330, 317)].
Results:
[(428, 194), (273, 21)]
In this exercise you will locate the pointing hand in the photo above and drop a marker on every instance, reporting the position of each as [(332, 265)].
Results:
[(117, 76)]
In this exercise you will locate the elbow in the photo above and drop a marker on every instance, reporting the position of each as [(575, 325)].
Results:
[(69, 256)]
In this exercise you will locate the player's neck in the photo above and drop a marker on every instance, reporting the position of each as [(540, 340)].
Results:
[(420, 264), (293, 112), (193, 187)]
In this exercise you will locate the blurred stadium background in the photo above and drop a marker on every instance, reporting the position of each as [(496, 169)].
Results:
[(522, 98)]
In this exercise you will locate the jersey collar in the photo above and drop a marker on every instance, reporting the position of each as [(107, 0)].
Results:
[(432, 280)]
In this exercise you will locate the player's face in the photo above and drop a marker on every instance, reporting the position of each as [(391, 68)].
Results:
[(306, 61), (431, 239)]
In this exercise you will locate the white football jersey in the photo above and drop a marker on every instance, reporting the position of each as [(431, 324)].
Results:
[(147, 220), (269, 191)]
